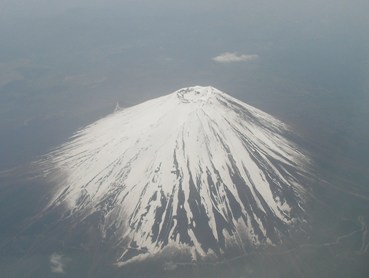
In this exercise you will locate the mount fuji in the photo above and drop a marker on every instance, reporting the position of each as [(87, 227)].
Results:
[(195, 170)]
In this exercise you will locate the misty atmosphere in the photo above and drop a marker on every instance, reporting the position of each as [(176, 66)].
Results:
[(66, 64)]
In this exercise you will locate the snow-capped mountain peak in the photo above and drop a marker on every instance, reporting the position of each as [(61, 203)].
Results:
[(195, 169)]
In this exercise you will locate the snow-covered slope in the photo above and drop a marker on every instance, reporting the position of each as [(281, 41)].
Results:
[(195, 169)]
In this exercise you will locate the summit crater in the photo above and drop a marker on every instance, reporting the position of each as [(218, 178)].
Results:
[(196, 94)]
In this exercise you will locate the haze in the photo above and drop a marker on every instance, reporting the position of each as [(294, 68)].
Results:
[(65, 64)]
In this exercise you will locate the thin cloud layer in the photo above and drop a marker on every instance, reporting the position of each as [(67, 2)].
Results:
[(232, 57), (56, 263)]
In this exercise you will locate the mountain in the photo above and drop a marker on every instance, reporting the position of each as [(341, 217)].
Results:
[(195, 170)]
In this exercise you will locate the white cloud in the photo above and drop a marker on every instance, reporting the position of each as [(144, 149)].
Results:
[(57, 263), (170, 266), (231, 57)]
